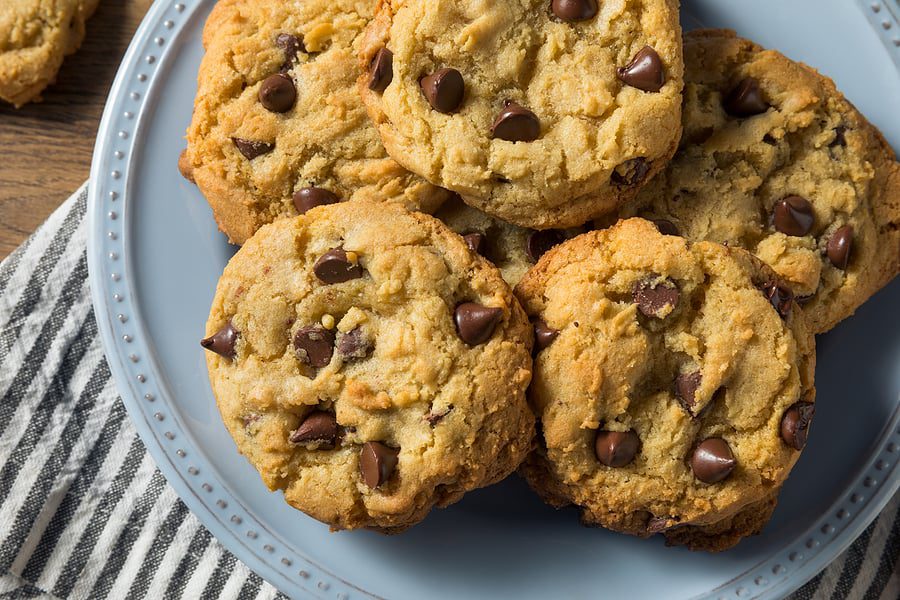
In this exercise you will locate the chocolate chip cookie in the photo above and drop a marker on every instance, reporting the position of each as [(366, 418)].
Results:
[(776, 161), (544, 114), (369, 364), (278, 126), (673, 384), (35, 37), (511, 248)]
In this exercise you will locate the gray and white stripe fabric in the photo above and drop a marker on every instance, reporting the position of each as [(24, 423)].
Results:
[(84, 513)]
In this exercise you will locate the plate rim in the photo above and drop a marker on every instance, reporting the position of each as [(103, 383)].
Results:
[(143, 385)]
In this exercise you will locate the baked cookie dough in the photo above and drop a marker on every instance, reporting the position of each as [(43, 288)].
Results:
[(673, 384), (544, 114), (369, 364), (512, 249), (278, 126), (775, 160), (35, 37)]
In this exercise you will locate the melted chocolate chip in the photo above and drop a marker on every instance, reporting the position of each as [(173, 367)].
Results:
[(686, 386), (793, 216), (666, 227), (658, 524), (544, 335), (314, 345), (631, 172), (539, 242), (616, 448), (354, 344), (780, 296), (436, 416), (335, 267), (840, 139), (475, 323), (292, 45), (574, 10), (516, 123), (381, 70), (839, 246), (252, 148), (644, 72), (795, 424), (745, 100), (222, 342), (475, 242), (377, 463), (318, 426), (712, 460), (310, 197), (444, 90), (654, 297)]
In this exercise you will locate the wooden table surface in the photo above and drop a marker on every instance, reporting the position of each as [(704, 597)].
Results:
[(47, 146)]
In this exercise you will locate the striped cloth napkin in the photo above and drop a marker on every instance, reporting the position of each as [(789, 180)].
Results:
[(84, 513)]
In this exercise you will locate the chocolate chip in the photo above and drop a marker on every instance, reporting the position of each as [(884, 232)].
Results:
[(631, 172), (712, 460), (539, 242), (436, 416), (795, 424), (377, 463), (252, 148), (644, 72), (574, 10), (250, 418), (544, 335), (310, 197), (291, 45), (780, 296), (354, 344), (476, 323), (222, 342), (277, 93), (475, 242), (793, 216), (686, 385), (516, 123), (839, 246), (616, 448), (839, 138), (444, 89), (745, 100), (658, 524), (655, 297), (381, 70), (666, 227), (314, 345), (335, 267), (318, 426)]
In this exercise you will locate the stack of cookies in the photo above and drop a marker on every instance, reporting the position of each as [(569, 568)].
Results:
[(678, 217)]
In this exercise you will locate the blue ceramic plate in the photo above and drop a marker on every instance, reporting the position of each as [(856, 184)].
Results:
[(155, 256)]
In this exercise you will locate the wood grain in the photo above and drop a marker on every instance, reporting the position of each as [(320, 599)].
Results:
[(47, 146)]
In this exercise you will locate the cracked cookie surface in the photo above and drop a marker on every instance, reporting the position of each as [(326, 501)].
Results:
[(35, 37), (673, 384), (540, 119), (775, 160), (278, 125), (369, 364)]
